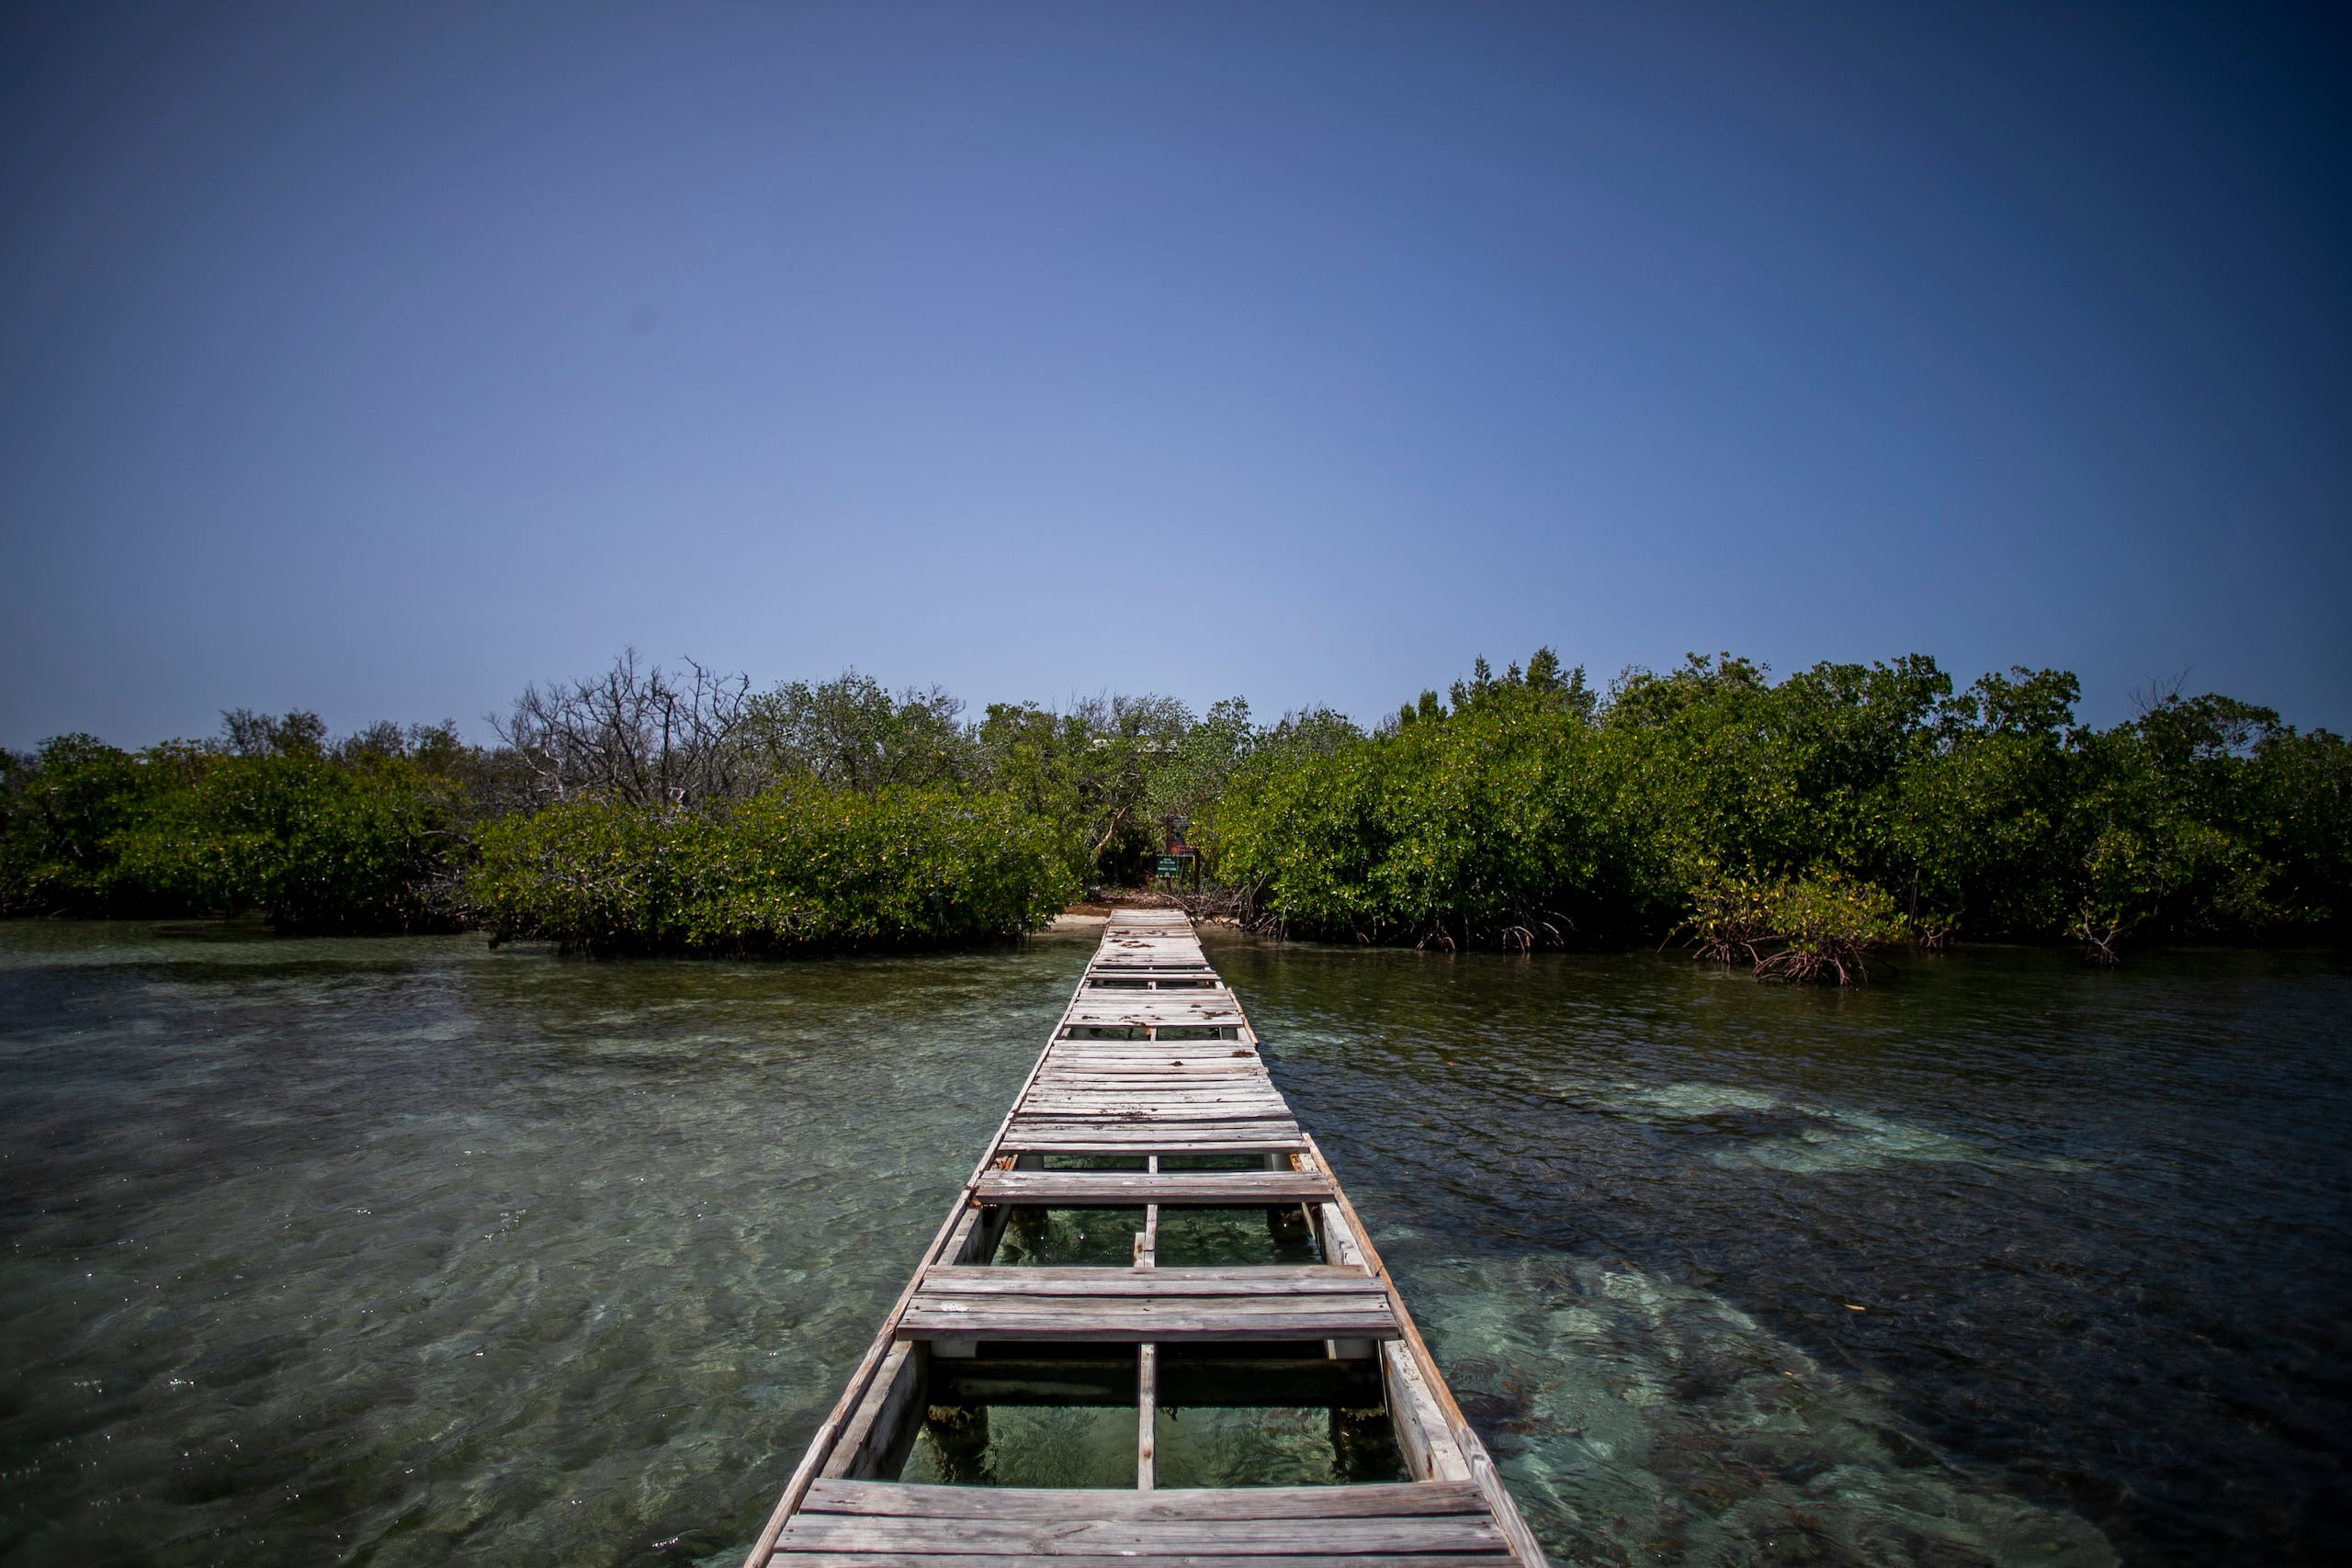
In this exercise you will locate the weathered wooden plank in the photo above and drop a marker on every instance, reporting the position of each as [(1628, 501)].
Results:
[(1195, 1070), (1155, 1080), (1207, 1090), (1222, 1078), (1046, 1119), (1396, 1535), (1127, 1105), (1147, 1073), (1240, 1099), (1211, 1092), (1278, 1281), (1125, 1189), (873, 1433), (1171, 1147), (1144, 1130), (1375, 1501), (1113, 1319), (1134, 1560), (1144, 1069), (1132, 1322), (1025, 1123), (1212, 1076), (959, 1306), (1171, 1138), (1132, 1108), (1118, 1026), (1261, 1094), (1155, 1140), (1173, 1058), (1121, 1055), (1070, 1135), (1146, 1414), (1266, 1100), (1223, 1086), (1132, 1056), (1239, 1102), (1430, 1453), (1062, 1053), (1160, 1064)]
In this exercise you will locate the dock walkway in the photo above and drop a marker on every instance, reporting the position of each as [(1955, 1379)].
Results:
[(1152, 1064)]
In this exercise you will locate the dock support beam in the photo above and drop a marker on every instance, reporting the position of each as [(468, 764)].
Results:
[(1147, 1411)]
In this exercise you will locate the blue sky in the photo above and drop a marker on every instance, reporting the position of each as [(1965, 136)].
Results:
[(378, 359)]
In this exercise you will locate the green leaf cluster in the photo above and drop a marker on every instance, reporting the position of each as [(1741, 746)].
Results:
[(640, 810), (316, 842), (1810, 928), (801, 867), (314, 845), (1530, 803), (1496, 822)]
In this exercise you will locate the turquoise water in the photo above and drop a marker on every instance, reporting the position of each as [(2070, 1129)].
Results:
[(407, 1252)]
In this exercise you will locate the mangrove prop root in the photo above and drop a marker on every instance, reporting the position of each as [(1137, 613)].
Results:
[(1784, 955)]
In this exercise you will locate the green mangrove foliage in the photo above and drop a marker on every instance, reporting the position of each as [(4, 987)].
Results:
[(1532, 805), (1791, 824), (1496, 822), (363, 837), (617, 813), (1812, 928), (802, 866)]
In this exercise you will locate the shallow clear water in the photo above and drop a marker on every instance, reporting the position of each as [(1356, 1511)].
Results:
[(1028, 1445), (1270, 1446), (407, 1251)]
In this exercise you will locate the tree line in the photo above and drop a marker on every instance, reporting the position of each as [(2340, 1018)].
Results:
[(1790, 824)]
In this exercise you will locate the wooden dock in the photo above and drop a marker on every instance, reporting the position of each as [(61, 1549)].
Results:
[(1152, 1064)]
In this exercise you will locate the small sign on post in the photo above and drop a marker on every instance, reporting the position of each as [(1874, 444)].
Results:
[(1172, 865)]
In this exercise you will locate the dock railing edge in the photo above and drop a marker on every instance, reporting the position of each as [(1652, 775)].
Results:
[(1482, 1464), (821, 1443)]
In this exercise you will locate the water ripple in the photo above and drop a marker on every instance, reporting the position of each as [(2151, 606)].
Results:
[(408, 1252)]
